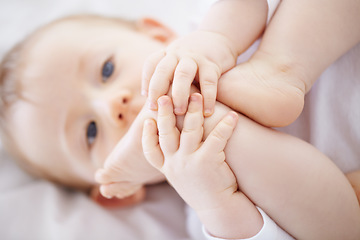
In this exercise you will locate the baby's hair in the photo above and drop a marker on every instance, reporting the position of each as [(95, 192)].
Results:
[(11, 68), (9, 93)]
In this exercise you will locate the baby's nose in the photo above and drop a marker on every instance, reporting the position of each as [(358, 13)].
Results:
[(119, 106)]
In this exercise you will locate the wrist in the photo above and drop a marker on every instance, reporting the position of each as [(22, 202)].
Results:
[(241, 22), (223, 53), (286, 65)]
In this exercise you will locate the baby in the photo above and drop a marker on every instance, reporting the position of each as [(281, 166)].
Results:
[(71, 93), (271, 86)]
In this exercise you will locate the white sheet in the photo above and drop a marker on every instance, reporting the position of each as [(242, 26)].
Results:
[(35, 209)]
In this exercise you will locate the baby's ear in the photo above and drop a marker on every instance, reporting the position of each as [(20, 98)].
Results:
[(114, 202), (156, 30)]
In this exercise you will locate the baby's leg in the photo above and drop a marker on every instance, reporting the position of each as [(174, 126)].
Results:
[(294, 51), (294, 183), (354, 179), (271, 94)]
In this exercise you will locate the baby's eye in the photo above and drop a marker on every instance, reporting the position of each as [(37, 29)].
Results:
[(107, 70), (91, 132)]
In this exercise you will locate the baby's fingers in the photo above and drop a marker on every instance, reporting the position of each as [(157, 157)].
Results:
[(184, 76), (150, 144), (161, 79), (208, 78), (166, 121), (149, 69), (192, 132), (217, 139)]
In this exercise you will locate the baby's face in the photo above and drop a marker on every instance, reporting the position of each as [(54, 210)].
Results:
[(81, 89)]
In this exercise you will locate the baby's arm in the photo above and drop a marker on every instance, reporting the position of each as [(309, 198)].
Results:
[(301, 41), (309, 35), (228, 29)]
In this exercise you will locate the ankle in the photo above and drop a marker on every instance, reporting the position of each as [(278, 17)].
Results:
[(288, 67)]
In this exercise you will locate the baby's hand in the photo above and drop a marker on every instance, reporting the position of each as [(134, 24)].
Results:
[(201, 56), (195, 168)]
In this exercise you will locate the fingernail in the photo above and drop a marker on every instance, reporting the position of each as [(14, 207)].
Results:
[(208, 112), (148, 122), (193, 97), (179, 111), (233, 117), (162, 101)]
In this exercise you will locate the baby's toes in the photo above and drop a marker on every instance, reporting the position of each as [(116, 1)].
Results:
[(131, 200), (102, 176), (110, 174), (119, 190)]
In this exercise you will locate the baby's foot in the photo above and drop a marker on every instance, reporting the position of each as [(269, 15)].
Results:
[(126, 169), (266, 93)]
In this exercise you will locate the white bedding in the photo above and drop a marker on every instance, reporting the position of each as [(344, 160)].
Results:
[(35, 209)]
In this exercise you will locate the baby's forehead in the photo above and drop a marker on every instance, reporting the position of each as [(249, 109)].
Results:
[(77, 26), (62, 37), (58, 41), (57, 33)]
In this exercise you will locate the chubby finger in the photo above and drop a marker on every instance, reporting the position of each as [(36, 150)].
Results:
[(150, 144), (161, 79), (166, 123), (192, 132), (183, 77), (149, 69), (208, 78), (218, 137)]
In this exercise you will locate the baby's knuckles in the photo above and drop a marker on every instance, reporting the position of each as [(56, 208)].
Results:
[(204, 46), (194, 172)]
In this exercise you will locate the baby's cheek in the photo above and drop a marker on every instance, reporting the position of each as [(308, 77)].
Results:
[(99, 156)]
